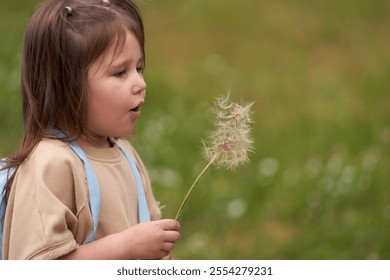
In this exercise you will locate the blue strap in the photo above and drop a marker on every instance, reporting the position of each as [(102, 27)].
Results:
[(94, 190), (93, 184), (3, 179), (143, 210)]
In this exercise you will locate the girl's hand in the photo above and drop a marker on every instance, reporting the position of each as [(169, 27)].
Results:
[(151, 240)]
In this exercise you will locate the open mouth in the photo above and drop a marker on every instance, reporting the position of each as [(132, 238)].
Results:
[(138, 107)]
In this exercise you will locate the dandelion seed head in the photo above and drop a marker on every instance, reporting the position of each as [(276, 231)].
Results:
[(228, 145)]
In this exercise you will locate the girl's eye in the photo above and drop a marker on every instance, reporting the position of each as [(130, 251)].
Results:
[(140, 69), (120, 74)]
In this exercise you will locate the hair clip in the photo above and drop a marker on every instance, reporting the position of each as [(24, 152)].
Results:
[(69, 10)]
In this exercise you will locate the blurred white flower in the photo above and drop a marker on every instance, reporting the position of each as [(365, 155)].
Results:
[(236, 208), (268, 167)]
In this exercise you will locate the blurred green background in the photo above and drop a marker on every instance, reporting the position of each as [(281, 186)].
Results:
[(317, 186)]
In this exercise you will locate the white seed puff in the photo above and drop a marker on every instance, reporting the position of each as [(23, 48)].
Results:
[(228, 145)]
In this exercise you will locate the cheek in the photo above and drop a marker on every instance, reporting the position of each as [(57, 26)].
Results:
[(107, 99), (101, 106), (98, 104), (98, 94), (105, 107)]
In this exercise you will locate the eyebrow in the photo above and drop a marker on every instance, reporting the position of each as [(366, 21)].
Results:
[(115, 64)]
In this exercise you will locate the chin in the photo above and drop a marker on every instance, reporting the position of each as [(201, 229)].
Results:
[(124, 134)]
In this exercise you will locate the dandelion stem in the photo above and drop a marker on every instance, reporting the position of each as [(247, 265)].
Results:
[(193, 184)]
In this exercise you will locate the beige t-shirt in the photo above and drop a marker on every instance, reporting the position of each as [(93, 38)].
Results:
[(48, 212)]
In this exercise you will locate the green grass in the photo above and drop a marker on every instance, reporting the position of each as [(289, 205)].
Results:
[(318, 184)]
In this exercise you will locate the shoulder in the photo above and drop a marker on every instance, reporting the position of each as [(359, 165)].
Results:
[(50, 146), (53, 154), (52, 159), (125, 144), (53, 169)]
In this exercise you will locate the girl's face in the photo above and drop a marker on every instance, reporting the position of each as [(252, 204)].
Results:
[(116, 91)]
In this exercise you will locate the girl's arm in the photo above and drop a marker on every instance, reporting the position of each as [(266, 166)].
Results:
[(150, 240)]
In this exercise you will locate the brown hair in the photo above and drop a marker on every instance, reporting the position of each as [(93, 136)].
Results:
[(62, 38)]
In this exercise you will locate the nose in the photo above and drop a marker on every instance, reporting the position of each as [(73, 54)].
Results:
[(139, 84)]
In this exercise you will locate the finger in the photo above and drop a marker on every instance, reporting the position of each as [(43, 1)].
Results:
[(169, 224), (171, 236), (168, 246), (162, 255)]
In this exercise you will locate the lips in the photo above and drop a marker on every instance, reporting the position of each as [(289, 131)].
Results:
[(137, 108)]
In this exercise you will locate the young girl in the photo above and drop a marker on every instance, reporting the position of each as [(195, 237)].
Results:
[(82, 77)]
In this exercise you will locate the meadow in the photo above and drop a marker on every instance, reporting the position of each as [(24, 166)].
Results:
[(318, 182)]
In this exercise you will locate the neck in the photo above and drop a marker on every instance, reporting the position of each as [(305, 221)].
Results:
[(95, 141)]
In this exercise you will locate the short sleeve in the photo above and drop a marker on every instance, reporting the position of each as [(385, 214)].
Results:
[(47, 201)]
